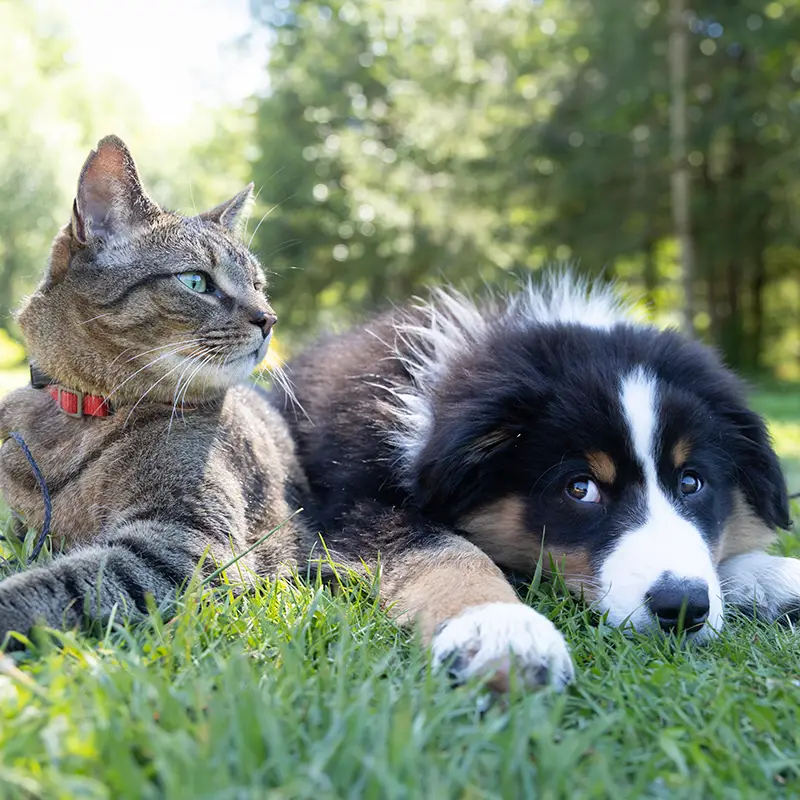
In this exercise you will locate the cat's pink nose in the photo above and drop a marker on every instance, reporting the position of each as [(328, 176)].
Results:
[(264, 319)]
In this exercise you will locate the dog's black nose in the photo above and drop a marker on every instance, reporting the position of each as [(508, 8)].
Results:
[(264, 319), (679, 603)]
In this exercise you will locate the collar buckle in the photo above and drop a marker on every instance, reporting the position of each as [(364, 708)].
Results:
[(78, 402)]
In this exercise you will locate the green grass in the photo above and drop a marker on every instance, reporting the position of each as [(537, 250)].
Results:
[(290, 692)]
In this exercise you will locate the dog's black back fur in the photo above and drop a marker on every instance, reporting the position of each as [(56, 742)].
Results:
[(344, 433)]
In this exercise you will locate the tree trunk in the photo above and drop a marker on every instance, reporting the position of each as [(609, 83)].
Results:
[(757, 283), (733, 326), (650, 273), (678, 57), (709, 256), (736, 225)]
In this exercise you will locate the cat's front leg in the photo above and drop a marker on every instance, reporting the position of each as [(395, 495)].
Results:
[(762, 585), (149, 558)]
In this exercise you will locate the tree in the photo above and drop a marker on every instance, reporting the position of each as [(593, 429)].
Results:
[(32, 185), (681, 192), (402, 144)]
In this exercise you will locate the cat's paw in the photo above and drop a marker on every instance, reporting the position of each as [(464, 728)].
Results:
[(498, 639), (12, 618), (760, 584)]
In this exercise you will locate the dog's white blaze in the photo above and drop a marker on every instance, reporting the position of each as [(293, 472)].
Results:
[(665, 542)]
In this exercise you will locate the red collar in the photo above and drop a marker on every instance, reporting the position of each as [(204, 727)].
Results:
[(78, 404), (71, 401)]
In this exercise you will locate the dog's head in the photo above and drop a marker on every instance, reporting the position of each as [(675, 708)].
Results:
[(553, 427)]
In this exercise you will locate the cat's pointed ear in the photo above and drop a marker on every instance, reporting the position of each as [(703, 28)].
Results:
[(110, 199), (233, 213)]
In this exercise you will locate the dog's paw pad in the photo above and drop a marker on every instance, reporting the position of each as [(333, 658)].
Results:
[(494, 640)]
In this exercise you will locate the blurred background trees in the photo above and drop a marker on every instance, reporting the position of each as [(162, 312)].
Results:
[(400, 143)]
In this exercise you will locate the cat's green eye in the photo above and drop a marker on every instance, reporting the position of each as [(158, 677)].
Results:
[(196, 281)]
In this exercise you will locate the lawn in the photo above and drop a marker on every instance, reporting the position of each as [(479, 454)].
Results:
[(289, 692)]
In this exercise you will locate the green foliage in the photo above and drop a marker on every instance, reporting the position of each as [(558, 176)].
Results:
[(409, 143), (31, 77), (366, 144)]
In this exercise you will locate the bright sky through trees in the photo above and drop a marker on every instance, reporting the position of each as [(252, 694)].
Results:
[(178, 55)]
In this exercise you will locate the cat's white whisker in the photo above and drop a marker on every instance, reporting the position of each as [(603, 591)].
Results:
[(191, 196), (203, 361), (280, 377), (99, 316), (181, 390), (188, 363), (281, 247), (199, 371), (261, 189), (178, 346), (141, 369), (277, 205), (185, 342), (152, 386), (182, 387), (119, 356)]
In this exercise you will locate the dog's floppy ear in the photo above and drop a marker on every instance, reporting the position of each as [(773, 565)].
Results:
[(744, 435), (453, 463), (460, 457), (760, 477)]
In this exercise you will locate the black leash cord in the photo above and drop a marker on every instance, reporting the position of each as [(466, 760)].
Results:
[(45, 496)]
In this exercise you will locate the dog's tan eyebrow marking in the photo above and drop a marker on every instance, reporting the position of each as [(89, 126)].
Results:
[(680, 452), (603, 466)]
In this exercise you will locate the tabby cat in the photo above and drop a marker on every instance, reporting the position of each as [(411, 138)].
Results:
[(156, 460)]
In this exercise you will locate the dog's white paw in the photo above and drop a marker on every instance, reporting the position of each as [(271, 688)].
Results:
[(495, 639), (766, 585)]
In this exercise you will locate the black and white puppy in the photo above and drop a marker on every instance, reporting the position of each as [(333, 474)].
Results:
[(454, 440)]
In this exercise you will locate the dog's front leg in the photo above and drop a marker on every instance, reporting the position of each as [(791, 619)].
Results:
[(471, 617), (762, 585)]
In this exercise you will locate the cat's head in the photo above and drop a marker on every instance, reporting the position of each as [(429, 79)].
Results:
[(138, 301)]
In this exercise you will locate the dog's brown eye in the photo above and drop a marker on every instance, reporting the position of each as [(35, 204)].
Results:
[(690, 483), (584, 490)]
